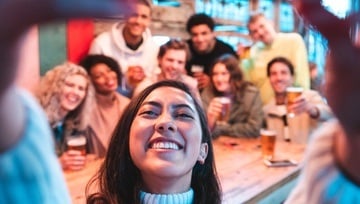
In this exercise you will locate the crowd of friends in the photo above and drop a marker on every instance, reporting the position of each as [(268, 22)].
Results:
[(131, 98)]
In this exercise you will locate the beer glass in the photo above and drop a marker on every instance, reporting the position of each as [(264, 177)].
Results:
[(268, 138), (291, 94), (77, 143), (196, 69), (225, 110)]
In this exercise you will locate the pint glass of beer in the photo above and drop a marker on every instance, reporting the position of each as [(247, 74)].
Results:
[(268, 138), (291, 94), (77, 143), (225, 111), (196, 69)]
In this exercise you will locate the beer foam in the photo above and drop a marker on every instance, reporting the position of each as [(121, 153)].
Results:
[(267, 132), (224, 100), (294, 89), (76, 141)]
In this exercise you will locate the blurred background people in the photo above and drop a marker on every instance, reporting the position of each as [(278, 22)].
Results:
[(246, 114), (204, 47), (268, 45), (316, 79), (161, 152), (29, 169), (65, 93), (309, 108), (172, 59), (131, 45), (331, 172), (109, 105)]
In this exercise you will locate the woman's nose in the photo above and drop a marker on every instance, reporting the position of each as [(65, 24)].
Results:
[(165, 123)]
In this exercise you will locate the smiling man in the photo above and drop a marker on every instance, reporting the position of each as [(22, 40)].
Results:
[(204, 47), (309, 108), (172, 59), (131, 44), (268, 44)]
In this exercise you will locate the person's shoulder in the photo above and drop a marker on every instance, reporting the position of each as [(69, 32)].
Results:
[(122, 99), (251, 88), (309, 93), (291, 36), (106, 34), (223, 45)]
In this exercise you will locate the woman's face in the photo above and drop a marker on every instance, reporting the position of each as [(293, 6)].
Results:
[(165, 139), (73, 92), (221, 78), (103, 78)]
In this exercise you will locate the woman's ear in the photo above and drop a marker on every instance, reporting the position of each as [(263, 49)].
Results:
[(203, 153)]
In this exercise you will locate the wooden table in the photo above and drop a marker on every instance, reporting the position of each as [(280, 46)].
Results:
[(243, 176), (77, 180)]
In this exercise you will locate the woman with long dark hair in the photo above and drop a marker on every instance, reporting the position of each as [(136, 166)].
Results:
[(160, 150), (245, 117)]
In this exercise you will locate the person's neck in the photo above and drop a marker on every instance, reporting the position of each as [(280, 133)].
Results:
[(273, 36), (105, 98), (346, 150), (62, 113), (162, 76), (280, 98), (133, 41), (166, 185)]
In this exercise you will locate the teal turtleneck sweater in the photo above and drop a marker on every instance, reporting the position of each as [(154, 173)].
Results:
[(179, 198)]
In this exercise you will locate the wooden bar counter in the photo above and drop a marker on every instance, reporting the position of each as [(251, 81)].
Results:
[(243, 176)]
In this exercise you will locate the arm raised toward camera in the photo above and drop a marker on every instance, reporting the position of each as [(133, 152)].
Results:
[(16, 16)]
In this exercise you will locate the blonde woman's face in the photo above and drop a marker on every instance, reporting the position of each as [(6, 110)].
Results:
[(73, 92)]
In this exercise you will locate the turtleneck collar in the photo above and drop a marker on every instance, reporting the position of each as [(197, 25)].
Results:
[(179, 198)]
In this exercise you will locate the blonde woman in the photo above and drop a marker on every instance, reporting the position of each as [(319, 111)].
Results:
[(65, 94), (27, 161)]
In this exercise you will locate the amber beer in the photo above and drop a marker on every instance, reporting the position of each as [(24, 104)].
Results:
[(225, 111), (77, 143), (268, 138), (291, 94)]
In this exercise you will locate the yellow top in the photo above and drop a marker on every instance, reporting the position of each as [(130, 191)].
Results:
[(288, 45)]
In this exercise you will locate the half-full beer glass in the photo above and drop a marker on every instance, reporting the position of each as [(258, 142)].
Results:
[(268, 138)]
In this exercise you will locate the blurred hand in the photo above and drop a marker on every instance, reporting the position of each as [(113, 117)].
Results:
[(342, 84), (243, 51), (37, 11), (214, 112), (134, 75), (301, 105), (202, 79), (72, 160)]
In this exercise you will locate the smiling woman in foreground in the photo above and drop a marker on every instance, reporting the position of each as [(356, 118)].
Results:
[(160, 152)]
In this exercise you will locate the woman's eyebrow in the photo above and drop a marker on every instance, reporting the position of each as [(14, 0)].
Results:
[(157, 104), (152, 103), (183, 105)]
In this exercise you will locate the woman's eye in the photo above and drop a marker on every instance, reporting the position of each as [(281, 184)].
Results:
[(148, 113), (185, 115)]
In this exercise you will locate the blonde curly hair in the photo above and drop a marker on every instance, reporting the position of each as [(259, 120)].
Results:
[(49, 91)]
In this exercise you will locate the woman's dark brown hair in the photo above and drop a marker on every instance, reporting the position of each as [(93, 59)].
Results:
[(119, 180)]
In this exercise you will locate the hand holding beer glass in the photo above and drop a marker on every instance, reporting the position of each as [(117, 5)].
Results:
[(74, 158), (197, 72), (268, 139), (292, 93), (135, 74), (218, 111), (225, 109)]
